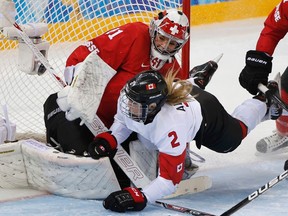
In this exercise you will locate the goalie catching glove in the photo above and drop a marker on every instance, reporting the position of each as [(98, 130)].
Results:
[(103, 145), (127, 199), (258, 66)]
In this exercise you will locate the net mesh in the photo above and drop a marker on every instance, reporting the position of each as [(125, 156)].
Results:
[(70, 23)]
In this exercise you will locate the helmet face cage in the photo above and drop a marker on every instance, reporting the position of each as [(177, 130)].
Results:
[(143, 96), (132, 109), (173, 25)]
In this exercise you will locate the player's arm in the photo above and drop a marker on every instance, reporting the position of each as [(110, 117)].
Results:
[(112, 47), (259, 62), (171, 170), (105, 144), (275, 28), (135, 199), (76, 58)]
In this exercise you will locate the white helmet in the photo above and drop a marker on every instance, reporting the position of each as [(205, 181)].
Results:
[(173, 25)]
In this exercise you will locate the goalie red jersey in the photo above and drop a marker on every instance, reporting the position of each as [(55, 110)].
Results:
[(127, 50), (275, 28)]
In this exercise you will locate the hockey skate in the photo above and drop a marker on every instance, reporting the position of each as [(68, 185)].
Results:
[(274, 143), (202, 74), (190, 168)]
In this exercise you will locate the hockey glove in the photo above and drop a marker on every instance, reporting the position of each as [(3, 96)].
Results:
[(127, 199), (103, 145), (258, 66)]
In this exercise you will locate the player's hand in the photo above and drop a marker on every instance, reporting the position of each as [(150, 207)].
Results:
[(127, 199), (103, 145), (258, 66)]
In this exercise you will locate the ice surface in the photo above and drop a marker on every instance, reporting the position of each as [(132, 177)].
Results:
[(235, 175)]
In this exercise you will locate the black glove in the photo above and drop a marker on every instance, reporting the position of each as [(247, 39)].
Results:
[(258, 66), (127, 199), (103, 145)]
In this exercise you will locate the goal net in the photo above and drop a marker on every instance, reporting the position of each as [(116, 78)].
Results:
[(70, 23)]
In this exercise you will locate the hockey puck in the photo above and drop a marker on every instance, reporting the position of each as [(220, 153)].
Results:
[(286, 165)]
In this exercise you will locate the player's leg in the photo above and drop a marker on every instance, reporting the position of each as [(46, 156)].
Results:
[(279, 139), (66, 136), (222, 132)]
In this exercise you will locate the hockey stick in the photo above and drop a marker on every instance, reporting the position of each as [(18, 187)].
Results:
[(286, 165), (270, 93), (37, 53), (256, 194), (183, 209), (233, 209)]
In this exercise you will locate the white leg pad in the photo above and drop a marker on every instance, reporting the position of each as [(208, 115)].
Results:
[(145, 158), (67, 175), (12, 168)]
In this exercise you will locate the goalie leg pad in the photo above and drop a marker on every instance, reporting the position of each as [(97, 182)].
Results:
[(66, 174), (145, 158), (12, 168)]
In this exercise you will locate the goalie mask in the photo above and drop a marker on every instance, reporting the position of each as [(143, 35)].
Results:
[(169, 31), (143, 96)]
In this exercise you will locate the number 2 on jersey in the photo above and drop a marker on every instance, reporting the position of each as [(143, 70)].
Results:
[(174, 142)]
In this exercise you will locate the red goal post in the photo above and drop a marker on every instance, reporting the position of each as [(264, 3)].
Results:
[(70, 23)]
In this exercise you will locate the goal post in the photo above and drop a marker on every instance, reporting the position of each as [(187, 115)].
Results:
[(185, 60), (70, 23)]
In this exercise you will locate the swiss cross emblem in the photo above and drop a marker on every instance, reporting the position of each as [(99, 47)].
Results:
[(150, 86), (174, 30)]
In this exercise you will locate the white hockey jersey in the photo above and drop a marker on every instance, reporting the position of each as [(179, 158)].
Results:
[(169, 133)]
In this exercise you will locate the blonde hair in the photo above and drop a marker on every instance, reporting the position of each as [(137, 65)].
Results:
[(178, 90)]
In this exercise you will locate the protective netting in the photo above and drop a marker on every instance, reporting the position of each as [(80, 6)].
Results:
[(70, 23)]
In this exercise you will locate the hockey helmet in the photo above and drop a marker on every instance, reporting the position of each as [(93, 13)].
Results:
[(172, 24), (143, 96)]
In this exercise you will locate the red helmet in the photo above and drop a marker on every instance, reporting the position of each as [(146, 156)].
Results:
[(172, 24)]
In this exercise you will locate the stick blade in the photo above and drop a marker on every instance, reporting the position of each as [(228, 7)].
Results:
[(192, 185)]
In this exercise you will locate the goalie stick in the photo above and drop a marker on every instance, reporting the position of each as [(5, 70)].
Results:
[(122, 158), (37, 53)]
